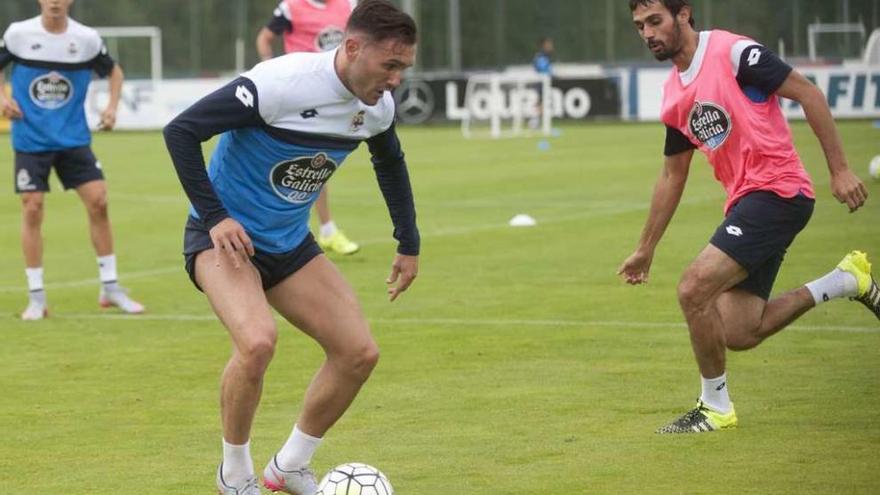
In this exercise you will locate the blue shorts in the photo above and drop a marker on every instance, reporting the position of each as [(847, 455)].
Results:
[(273, 267), (757, 232), (74, 167)]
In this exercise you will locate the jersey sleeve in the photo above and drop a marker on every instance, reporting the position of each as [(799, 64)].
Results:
[(393, 177), (758, 70), (103, 63), (6, 56), (281, 21), (676, 142), (233, 106)]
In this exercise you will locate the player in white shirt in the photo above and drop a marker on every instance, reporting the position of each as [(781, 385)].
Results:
[(285, 127)]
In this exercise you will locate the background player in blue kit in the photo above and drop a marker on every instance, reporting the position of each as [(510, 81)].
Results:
[(284, 128), (54, 58)]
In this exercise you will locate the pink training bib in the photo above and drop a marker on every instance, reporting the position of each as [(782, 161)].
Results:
[(316, 27), (748, 144)]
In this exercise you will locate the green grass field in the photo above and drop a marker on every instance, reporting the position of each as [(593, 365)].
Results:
[(518, 363)]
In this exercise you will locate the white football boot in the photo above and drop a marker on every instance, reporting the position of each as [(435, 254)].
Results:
[(119, 298), (249, 487), (297, 482)]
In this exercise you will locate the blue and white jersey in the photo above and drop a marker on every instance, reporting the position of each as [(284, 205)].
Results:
[(50, 79), (285, 127)]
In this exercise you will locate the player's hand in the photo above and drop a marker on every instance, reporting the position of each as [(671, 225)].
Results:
[(108, 119), (635, 268), (11, 110), (403, 272), (849, 189), (231, 241)]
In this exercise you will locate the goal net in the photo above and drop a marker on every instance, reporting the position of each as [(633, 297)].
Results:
[(507, 105)]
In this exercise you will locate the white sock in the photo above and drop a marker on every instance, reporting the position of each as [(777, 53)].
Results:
[(107, 271), (237, 463), (715, 393), (837, 283), (328, 229), (34, 278), (298, 450)]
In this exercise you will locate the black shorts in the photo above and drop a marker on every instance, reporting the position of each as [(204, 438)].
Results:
[(74, 167), (273, 268), (756, 233)]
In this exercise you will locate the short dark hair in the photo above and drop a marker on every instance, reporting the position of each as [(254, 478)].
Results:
[(382, 20), (673, 6)]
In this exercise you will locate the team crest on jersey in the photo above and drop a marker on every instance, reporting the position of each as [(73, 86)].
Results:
[(357, 121), (329, 38), (710, 123), (297, 180), (72, 49), (51, 91)]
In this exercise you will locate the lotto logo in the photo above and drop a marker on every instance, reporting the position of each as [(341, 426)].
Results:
[(734, 230), (244, 96)]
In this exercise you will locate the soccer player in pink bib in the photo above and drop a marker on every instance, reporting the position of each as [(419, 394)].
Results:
[(721, 97), (312, 26)]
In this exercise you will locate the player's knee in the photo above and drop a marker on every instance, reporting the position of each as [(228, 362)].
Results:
[(743, 338), (362, 359), (257, 349), (691, 293), (32, 206), (97, 207)]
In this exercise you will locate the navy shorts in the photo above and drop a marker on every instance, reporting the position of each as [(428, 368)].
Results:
[(74, 167), (756, 233), (273, 267)]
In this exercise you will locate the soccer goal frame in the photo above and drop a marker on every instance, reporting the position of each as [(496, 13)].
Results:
[(505, 99), (154, 33), (815, 29)]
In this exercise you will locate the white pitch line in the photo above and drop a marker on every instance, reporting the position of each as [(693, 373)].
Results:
[(464, 322), (442, 232)]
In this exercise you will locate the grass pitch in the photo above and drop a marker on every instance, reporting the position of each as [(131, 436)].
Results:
[(518, 363)]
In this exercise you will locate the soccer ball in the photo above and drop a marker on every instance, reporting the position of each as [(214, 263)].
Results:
[(874, 168), (355, 478)]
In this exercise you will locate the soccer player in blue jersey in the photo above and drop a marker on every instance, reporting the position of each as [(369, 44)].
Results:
[(54, 57), (543, 60), (312, 26), (285, 127)]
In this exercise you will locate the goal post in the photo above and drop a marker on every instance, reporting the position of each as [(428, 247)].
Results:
[(843, 28), (507, 105), (152, 33)]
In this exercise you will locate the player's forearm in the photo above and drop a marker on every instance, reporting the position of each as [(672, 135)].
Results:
[(3, 96), (821, 121), (264, 44), (116, 79), (189, 163), (394, 183), (667, 195)]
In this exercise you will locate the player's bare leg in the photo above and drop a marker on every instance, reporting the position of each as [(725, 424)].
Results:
[(749, 319), (236, 296), (330, 238), (32, 248), (318, 300), (710, 275), (322, 207), (94, 197)]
